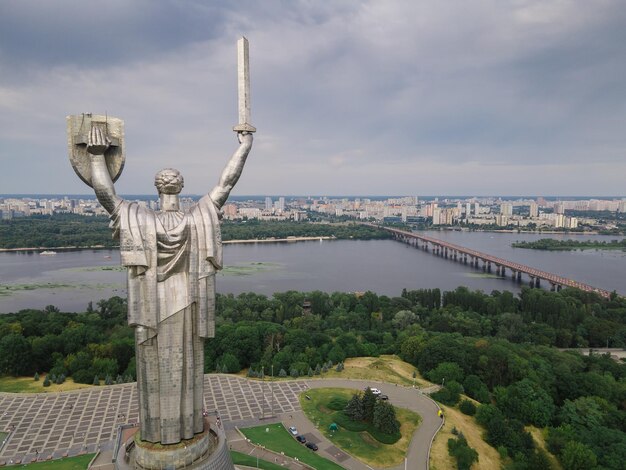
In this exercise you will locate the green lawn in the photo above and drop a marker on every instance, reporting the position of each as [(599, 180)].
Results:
[(29, 385), (279, 440), (251, 461), (71, 463), (359, 444)]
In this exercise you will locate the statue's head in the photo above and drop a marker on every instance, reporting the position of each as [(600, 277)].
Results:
[(169, 181)]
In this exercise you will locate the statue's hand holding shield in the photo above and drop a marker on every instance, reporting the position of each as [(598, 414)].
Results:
[(89, 135)]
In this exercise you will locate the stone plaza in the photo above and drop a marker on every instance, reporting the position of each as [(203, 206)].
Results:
[(55, 425)]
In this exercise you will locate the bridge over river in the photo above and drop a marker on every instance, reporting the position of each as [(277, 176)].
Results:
[(489, 262)]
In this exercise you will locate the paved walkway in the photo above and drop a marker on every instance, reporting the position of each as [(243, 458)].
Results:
[(54, 425)]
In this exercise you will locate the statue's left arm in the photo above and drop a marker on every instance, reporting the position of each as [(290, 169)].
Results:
[(232, 171)]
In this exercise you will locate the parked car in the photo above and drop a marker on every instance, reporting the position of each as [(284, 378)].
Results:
[(383, 397), (311, 446), (301, 439), (293, 430), (375, 391)]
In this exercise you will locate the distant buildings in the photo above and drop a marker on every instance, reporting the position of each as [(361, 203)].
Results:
[(474, 211)]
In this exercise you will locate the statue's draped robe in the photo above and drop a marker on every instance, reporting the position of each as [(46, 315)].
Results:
[(171, 258)]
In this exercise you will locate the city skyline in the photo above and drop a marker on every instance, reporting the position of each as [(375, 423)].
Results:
[(352, 98)]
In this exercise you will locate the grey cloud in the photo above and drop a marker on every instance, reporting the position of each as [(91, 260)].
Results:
[(348, 96)]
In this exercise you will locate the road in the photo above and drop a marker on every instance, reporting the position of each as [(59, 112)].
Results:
[(403, 397)]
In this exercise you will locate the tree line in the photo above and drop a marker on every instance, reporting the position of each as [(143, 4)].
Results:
[(551, 244), (61, 230), (499, 349)]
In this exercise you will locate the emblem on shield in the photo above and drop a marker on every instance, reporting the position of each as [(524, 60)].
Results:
[(78, 129)]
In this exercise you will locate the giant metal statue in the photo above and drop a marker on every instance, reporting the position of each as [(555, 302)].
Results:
[(172, 257)]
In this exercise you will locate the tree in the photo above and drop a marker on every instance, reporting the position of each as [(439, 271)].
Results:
[(450, 394), (15, 355), (476, 389), (46, 382), (282, 373), (384, 418), (467, 407), (577, 456), (459, 449), (448, 371), (230, 363), (369, 402), (354, 409), (403, 319), (526, 401)]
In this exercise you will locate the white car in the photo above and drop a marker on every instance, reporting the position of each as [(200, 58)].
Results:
[(375, 391), (293, 430)]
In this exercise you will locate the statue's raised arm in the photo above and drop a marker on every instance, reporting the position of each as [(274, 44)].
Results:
[(101, 181), (232, 171), (96, 153)]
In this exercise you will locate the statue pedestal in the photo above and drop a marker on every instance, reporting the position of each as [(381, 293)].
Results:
[(205, 451)]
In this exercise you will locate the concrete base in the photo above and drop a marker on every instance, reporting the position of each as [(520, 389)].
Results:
[(206, 451)]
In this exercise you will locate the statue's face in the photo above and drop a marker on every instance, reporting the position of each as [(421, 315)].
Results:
[(169, 181)]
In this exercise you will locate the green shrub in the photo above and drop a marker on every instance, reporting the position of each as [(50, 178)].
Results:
[(450, 394), (384, 438), (83, 376), (345, 422), (467, 407), (465, 456), (337, 404)]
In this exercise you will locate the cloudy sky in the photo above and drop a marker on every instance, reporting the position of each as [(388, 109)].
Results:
[(465, 97)]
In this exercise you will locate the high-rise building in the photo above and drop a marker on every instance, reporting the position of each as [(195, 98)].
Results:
[(506, 208), (468, 210), (559, 208), (436, 212), (476, 208), (268, 203), (281, 204), (533, 210)]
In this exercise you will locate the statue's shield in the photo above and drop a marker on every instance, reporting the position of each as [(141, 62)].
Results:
[(78, 129)]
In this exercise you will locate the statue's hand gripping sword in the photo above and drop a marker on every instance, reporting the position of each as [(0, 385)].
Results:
[(243, 75)]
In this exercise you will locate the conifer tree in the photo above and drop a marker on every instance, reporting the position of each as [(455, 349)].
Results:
[(369, 402), (384, 418), (354, 408)]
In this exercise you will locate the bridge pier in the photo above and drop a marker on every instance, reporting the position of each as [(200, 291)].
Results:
[(458, 253)]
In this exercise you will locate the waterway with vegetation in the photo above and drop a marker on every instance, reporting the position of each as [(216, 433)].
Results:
[(70, 280)]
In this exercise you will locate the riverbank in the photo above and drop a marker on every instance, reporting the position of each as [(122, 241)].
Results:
[(116, 247)]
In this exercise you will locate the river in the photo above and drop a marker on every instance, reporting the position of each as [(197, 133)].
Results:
[(70, 280)]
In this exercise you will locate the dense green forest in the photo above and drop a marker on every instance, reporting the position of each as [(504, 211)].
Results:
[(499, 349), (80, 231), (568, 245)]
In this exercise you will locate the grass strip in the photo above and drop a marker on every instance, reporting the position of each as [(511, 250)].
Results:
[(275, 437), (79, 462), (251, 461)]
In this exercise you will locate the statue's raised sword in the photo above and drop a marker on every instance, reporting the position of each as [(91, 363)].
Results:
[(243, 76)]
